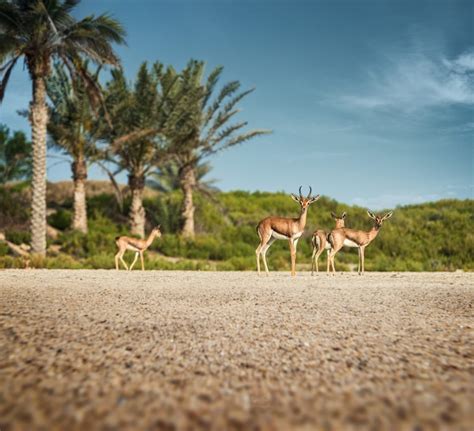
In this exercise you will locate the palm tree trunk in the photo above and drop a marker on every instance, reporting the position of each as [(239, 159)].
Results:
[(137, 212), (187, 180), (79, 175), (39, 121)]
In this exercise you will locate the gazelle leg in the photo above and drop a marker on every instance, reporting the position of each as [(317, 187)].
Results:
[(141, 258), (257, 254), (313, 260), (329, 261), (362, 258), (121, 260), (295, 244), (263, 252), (358, 267), (327, 256), (117, 261), (134, 260), (293, 256), (260, 248), (318, 254)]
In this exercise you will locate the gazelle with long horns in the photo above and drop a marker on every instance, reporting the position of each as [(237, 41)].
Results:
[(139, 246), (339, 238), (319, 241), (290, 229)]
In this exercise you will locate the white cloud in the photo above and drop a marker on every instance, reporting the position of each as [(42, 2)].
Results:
[(417, 81), (391, 200), (387, 201), (462, 64)]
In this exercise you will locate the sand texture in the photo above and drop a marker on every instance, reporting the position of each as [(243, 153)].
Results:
[(107, 350)]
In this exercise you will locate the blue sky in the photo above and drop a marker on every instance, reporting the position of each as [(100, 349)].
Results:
[(371, 102)]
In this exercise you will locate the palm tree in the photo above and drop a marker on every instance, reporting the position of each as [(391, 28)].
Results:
[(203, 129), (137, 114), (15, 156), (166, 178), (73, 128), (40, 31)]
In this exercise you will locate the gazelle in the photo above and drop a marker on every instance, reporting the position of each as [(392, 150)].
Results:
[(291, 229), (355, 238), (319, 241), (139, 246)]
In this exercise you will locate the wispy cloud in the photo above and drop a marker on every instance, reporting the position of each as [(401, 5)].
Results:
[(418, 81), (388, 200), (391, 200)]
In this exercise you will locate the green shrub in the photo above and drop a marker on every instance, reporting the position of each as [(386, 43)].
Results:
[(101, 261), (8, 262), (61, 261), (3, 249), (61, 219), (18, 236)]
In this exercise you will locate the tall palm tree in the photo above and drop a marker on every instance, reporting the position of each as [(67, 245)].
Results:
[(137, 114), (15, 156), (72, 128), (39, 31), (205, 129)]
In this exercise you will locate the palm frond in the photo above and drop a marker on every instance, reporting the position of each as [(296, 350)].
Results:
[(228, 89), (9, 46), (212, 80), (235, 140), (10, 17), (6, 76)]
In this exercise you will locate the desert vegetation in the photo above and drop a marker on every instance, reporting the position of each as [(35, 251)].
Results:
[(426, 237)]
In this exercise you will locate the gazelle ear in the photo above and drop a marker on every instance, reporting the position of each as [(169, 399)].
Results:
[(333, 215), (344, 215), (294, 197), (315, 198), (388, 215), (371, 215)]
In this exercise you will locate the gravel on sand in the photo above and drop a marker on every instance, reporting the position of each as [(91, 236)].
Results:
[(158, 350)]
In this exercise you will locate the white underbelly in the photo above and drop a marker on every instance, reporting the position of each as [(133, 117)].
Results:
[(277, 235), (349, 243), (297, 235)]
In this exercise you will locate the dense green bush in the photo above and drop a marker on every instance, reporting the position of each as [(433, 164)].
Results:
[(61, 219)]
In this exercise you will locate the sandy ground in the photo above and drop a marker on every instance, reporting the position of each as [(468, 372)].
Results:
[(87, 350)]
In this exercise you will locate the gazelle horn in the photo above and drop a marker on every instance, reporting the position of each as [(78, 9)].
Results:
[(301, 195), (310, 191)]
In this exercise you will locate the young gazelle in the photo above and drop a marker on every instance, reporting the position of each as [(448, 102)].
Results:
[(319, 241), (291, 229), (125, 243), (355, 238)]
